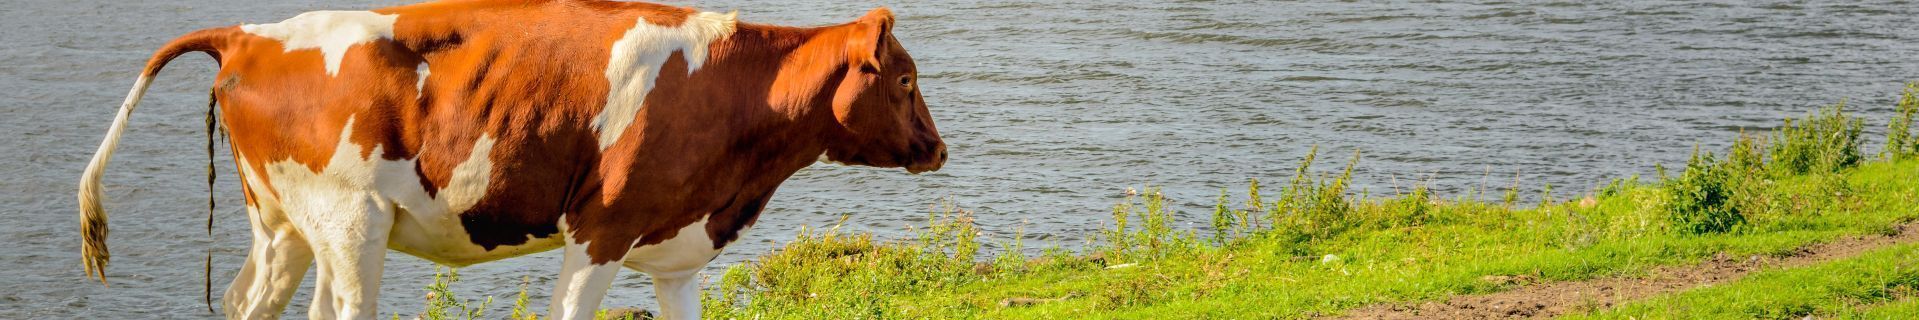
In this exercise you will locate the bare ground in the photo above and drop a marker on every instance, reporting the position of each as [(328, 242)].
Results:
[(1540, 300)]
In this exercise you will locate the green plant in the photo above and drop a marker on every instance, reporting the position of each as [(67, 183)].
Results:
[(950, 228), (1223, 220), (1826, 140), (1154, 236), (520, 310), (1315, 208), (730, 295), (1701, 197), (1411, 209), (1512, 193), (1900, 141), (1012, 255), (1619, 186), (1750, 179), (1546, 196), (441, 302), (1747, 156)]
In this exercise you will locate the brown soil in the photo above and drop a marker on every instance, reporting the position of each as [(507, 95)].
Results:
[(1555, 298)]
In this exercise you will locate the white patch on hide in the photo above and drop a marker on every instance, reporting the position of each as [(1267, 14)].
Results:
[(330, 31), (419, 86), (636, 59)]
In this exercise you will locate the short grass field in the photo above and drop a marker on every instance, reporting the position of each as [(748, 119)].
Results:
[(1309, 247)]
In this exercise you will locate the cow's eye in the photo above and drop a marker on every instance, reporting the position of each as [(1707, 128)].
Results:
[(906, 81)]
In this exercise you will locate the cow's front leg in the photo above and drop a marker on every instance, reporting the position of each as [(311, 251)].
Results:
[(678, 292), (582, 284), (674, 264)]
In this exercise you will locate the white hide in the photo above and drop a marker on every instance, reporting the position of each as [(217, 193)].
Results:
[(636, 59), (330, 31)]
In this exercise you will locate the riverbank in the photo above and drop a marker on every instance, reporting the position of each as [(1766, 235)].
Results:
[(1306, 248)]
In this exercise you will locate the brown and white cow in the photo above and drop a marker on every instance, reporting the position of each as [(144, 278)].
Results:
[(627, 134)]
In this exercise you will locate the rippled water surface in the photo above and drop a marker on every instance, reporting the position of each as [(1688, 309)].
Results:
[(1052, 108)]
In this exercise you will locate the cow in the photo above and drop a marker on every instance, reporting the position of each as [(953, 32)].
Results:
[(627, 135)]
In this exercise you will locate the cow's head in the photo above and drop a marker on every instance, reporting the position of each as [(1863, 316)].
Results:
[(877, 103)]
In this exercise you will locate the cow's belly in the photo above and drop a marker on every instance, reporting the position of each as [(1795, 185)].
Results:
[(430, 226), (439, 237)]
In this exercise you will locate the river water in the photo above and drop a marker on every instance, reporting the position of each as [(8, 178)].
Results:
[(1052, 109)]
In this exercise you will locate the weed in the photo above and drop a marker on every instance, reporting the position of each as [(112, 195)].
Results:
[(442, 304), (1900, 141), (1512, 193), (520, 311), (1223, 220), (1701, 197), (1826, 140)]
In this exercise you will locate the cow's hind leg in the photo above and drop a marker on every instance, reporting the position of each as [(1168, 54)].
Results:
[(273, 270), (582, 284), (350, 244)]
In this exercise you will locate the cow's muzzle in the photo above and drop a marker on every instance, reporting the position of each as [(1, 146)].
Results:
[(930, 161)]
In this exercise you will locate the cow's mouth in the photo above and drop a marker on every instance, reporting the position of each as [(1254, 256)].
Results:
[(931, 159)]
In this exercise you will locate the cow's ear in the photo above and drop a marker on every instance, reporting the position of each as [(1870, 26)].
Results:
[(868, 37)]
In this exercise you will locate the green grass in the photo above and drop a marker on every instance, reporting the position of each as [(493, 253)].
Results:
[(1859, 287), (1902, 309), (1275, 274)]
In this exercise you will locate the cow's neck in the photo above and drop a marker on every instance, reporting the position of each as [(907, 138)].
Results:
[(766, 90), (788, 81)]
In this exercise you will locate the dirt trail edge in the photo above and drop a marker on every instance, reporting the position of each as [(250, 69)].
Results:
[(1556, 298)]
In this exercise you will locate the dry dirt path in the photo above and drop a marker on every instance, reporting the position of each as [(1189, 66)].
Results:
[(1551, 299)]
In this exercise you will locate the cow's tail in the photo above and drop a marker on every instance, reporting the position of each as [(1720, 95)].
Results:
[(93, 218)]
